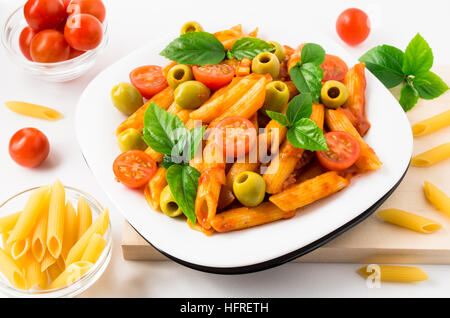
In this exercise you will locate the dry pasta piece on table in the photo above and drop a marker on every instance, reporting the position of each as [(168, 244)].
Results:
[(436, 197), (33, 110), (430, 125), (391, 273), (432, 156), (409, 220)]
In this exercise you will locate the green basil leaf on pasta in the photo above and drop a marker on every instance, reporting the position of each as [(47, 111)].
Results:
[(249, 47), (306, 135)]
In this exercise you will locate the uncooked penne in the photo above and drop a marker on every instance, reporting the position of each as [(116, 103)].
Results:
[(432, 156), (33, 274), (409, 220), (94, 249), (84, 214), (12, 272), (47, 261), (309, 191), (242, 218), (153, 189), (436, 197), (54, 271), (20, 247), (71, 229), (390, 273), (432, 124), (56, 214), (33, 110), (71, 274), (8, 222), (39, 237)]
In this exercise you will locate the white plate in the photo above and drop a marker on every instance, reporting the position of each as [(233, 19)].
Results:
[(260, 247)]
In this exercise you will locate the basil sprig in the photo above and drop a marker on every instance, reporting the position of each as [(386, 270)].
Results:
[(302, 131), (165, 133), (249, 47), (411, 68)]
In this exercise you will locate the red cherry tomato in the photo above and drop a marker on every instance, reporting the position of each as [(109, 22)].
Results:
[(75, 53), (29, 147), (148, 79), (334, 68), (49, 46), (44, 14), (353, 26), (66, 3), (214, 76), (236, 136), (134, 168), (92, 7), (343, 151), (25, 38), (83, 32)]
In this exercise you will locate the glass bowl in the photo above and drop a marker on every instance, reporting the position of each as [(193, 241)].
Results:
[(16, 203), (52, 72)]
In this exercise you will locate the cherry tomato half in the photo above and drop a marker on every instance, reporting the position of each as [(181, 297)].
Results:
[(44, 14), (29, 147), (134, 168), (236, 136), (343, 151), (334, 68), (92, 7), (353, 26), (25, 38), (214, 76), (49, 46), (148, 79), (83, 31)]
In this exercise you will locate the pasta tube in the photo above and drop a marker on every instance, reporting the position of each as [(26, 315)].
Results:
[(8, 222), (390, 273), (71, 274), (84, 216), (33, 110), (432, 156), (410, 221), (11, 271), (54, 271), (37, 202), (71, 229), (430, 125), (242, 218), (56, 213), (33, 273), (20, 247), (436, 197), (39, 238), (153, 189), (309, 191), (94, 249), (47, 261), (198, 227), (100, 226)]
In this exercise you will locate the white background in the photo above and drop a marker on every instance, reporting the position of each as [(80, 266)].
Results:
[(133, 23)]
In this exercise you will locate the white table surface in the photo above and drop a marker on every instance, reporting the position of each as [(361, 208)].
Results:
[(132, 23)]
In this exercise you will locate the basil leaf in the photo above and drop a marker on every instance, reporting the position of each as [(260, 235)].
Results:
[(307, 78), (408, 97), (280, 118), (418, 57), (385, 62), (306, 135), (299, 107), (195, 138), (163, 132), (195, 48), (249, 47), (167, 162), (312, 53), (183, 183), (429, 85)]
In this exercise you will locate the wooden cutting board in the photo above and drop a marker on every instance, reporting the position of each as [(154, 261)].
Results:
[(373, 240)]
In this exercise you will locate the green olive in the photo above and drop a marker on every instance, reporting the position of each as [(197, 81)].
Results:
[(277, 96), (191, 94), (279, 52), (126, 98), (168, 205), (333, 94), (191, 26), (266, 62), (249, 188), (131, 139), (179, 74)]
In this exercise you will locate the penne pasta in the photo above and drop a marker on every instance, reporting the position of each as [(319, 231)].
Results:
[(33, 110), (20, 247), (35, 205), (390, 273), (100, 226), (242, 218), (54, 271), (309, 191), (410, 221), (71, 229), (432, 156), (47, 261), (11, 271), (56, 213), (94, 249), (33, 274), (39, 238), (436, 197), (84, 214), (71, 274), (199, 228), (430, 125), (153, 189), (158, 157), (8, 222)]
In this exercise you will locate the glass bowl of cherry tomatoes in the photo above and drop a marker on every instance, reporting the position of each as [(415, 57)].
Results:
[(56, 40)]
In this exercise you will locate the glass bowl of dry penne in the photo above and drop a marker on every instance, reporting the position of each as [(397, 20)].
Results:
[(56, 241)]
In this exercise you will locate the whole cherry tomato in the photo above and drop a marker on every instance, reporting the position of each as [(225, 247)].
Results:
[(83, 31), (44, 14), (29, 147), (49, 46), (25, 38), (92, 7), (353, 26)]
